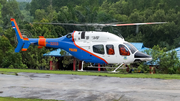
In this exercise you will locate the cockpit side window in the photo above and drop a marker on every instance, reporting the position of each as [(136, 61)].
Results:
[(110, 49), (123, 50), (98, 49)]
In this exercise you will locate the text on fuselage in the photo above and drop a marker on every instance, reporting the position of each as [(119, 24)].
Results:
[(95, 37), (72, 49)]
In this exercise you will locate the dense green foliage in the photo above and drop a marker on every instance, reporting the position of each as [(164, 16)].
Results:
[(100, 11), (88, 11)]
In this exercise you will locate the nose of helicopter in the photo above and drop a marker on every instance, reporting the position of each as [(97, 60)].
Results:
[(142, 56)]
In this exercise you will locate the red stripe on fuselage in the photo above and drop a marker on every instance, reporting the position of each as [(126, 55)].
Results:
[(86, 50)]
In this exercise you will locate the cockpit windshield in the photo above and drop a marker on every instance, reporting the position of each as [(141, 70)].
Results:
[(131, 47)]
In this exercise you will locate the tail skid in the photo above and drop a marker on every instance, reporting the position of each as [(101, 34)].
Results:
[(22, 42)]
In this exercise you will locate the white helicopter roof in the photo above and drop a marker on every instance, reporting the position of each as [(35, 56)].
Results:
[(95, 36)]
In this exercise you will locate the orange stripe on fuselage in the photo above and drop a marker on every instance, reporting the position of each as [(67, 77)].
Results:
[(26, 39), (41, 36), (20, 35), (86, 50), (24, 49), (40, 46), (42, 42)]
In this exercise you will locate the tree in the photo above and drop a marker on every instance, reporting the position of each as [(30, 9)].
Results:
[(7, 56), (0, 14), (0, 21), (40, 14), (168, 62), (38, 4), (22, 5), (10, 9), (28, 6)]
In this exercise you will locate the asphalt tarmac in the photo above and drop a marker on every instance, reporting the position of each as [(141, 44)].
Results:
[(88, 88)]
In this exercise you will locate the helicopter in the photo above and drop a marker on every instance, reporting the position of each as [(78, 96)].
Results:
[(89, 46)]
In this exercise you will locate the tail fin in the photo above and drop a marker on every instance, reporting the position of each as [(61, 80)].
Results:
[(21, 41)]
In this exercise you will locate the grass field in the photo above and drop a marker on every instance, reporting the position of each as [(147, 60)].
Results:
[(133, 75), (21, 99)]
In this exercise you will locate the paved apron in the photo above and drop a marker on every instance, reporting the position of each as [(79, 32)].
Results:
[(88, 88)]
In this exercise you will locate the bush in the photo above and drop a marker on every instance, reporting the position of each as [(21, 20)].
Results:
[(167, 62), (143, 67)]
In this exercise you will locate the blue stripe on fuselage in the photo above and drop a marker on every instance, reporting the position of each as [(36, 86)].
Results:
[(67, 44)]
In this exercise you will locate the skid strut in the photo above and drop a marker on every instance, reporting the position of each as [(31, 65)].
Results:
[(118, 67), (81, 66)]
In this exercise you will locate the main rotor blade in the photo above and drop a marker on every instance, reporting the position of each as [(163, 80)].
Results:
[(103, 25), (85, 24), (131, 24)]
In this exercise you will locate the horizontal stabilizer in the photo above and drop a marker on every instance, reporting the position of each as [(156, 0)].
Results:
[(24, 49), (26, 44)]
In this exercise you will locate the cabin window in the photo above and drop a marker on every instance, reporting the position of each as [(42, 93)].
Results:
[(87, 37), (110, 49), (123, 50), (83, 35), (98, 49)]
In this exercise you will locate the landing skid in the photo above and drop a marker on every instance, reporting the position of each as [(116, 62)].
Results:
[(99, 67), (80, 70)]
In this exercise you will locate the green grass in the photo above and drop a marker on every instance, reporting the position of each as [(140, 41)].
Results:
[(21, 99), (133, 75)]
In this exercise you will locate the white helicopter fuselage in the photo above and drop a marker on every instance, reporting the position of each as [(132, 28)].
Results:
[(98, 43)]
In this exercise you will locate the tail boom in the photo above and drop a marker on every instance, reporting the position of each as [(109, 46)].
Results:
[(24, 43)]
